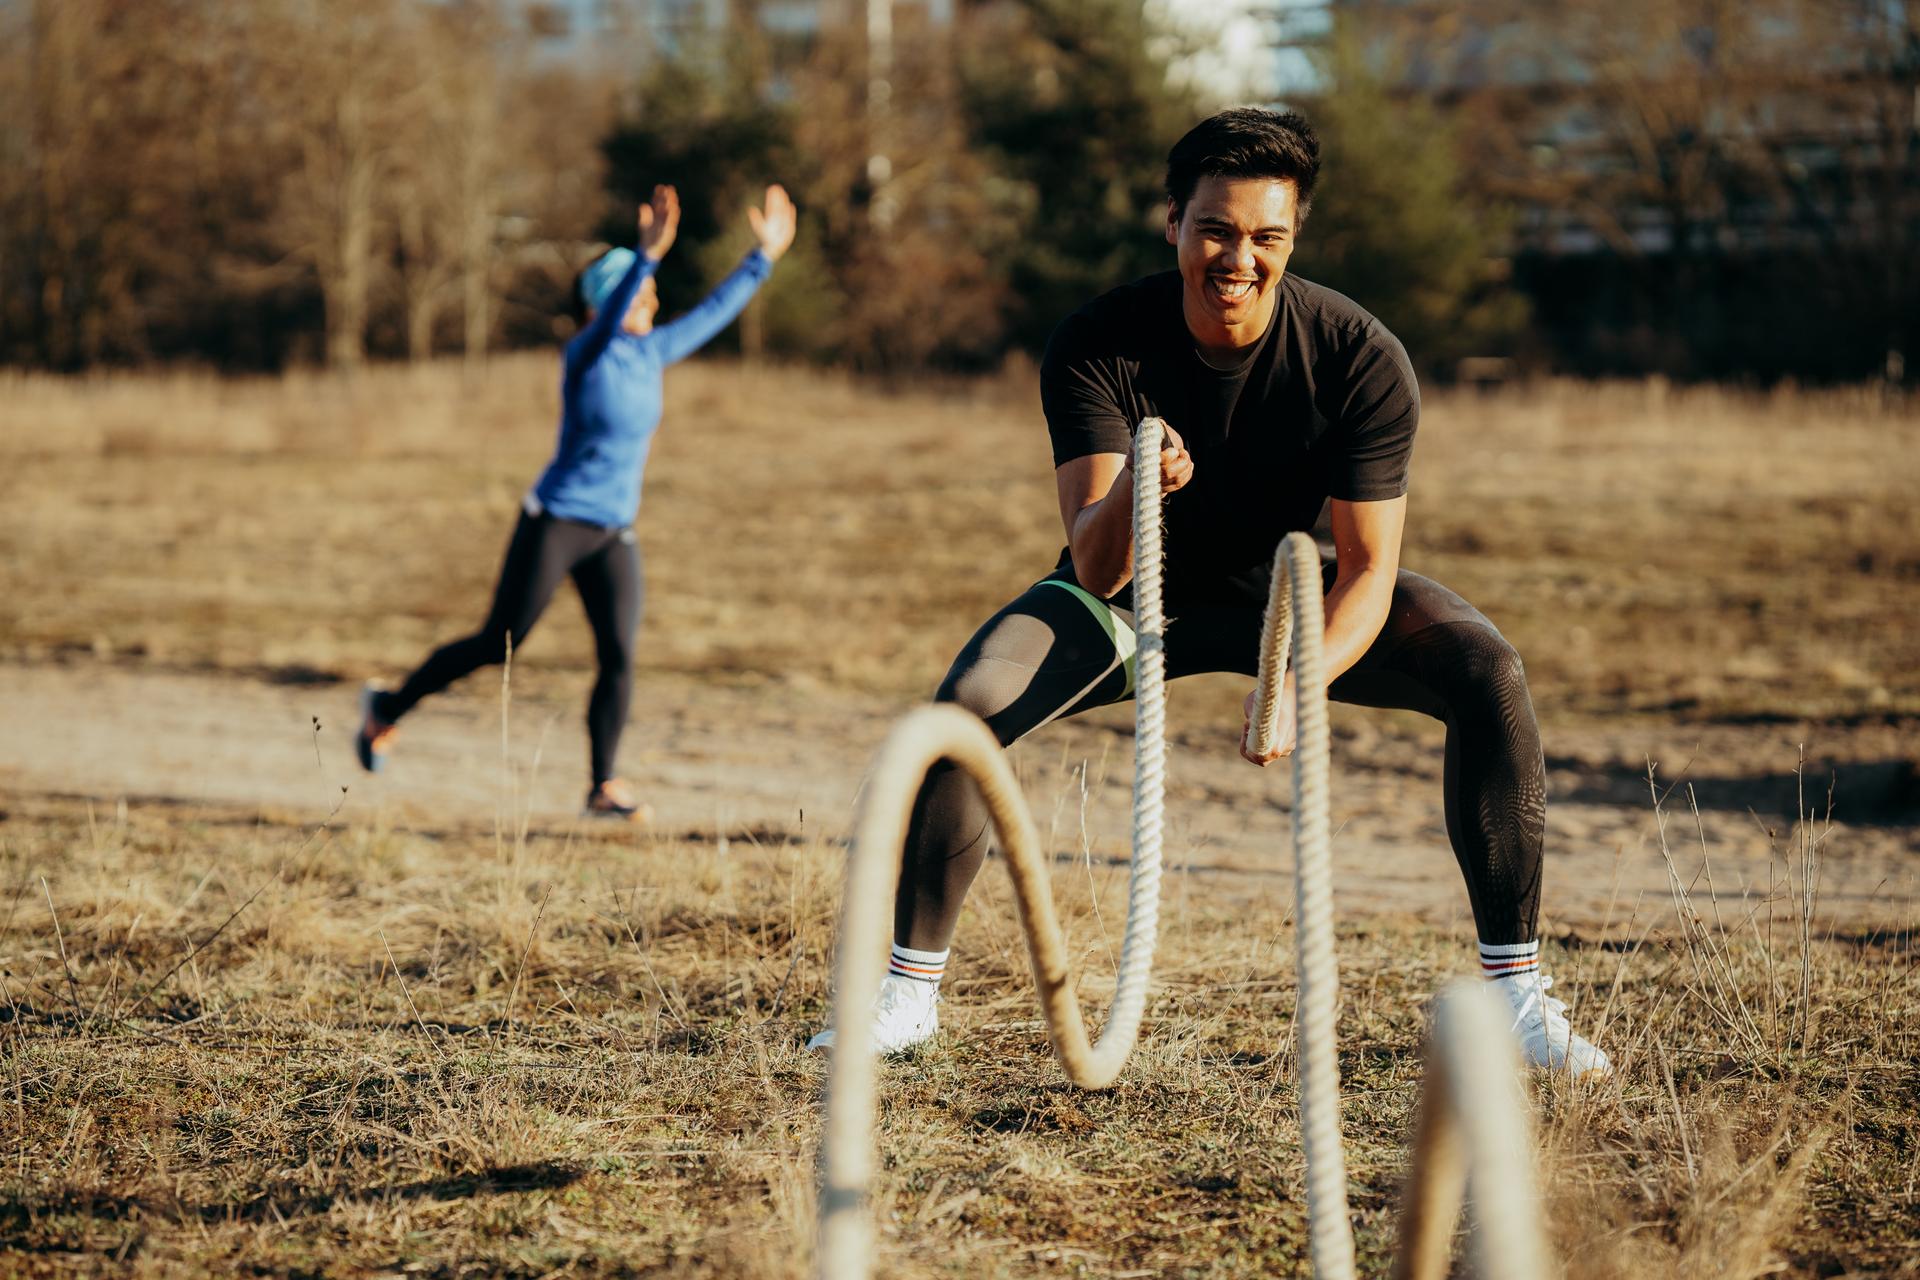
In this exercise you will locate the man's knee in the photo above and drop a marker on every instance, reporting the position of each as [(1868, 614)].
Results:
[(1484, 665), (1490, 655), (992, 672)]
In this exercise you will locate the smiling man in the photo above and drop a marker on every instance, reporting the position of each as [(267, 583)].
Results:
[(1282, 397)]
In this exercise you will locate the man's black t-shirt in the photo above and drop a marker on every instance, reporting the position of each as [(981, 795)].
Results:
[(1324, 406)]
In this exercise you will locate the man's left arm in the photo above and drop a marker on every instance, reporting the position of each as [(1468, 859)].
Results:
[(1366, 546), (1379, 413)]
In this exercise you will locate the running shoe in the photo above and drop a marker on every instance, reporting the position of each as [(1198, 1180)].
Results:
[(614, 800), (375, 737), (906, 1013), (1546, 1038)]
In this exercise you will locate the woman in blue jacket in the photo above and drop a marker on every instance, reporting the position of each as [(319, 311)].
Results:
[(577, 520)]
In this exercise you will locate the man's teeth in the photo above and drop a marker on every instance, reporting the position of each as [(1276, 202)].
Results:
[(1233, 288)]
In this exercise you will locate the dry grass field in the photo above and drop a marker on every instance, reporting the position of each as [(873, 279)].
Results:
[(1706, 554), (274, 1022)]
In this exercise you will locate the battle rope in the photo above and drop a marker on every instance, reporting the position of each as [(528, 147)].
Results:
[(1294, 624), (1473, 1122), (921, 739)]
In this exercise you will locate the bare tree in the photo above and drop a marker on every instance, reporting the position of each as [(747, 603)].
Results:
[(1714, 149), (444, 177), (919, 209), (68, 201), (342, 74), (1855, 174), (478, 153)]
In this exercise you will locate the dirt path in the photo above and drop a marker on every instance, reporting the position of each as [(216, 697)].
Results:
[(788, 760)]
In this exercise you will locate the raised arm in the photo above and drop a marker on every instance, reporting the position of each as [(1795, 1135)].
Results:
[(607, 320), (685, 335), (773, 227), (659, 223)]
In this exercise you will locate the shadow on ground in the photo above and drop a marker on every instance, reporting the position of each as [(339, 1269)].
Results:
[(1883, 793), (17, 1217)]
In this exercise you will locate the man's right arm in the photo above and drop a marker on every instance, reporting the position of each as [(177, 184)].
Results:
[(1096, 506), (1091, 422)]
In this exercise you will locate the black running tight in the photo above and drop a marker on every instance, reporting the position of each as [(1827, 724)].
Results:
[(1056, 651), (605, 567)]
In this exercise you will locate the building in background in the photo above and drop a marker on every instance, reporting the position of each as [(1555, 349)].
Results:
[(577, 27), (1230, 51), (1704, 189), (1226, 50)]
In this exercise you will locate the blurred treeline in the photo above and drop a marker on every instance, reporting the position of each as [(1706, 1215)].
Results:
[(252, 184), (1699, 188)]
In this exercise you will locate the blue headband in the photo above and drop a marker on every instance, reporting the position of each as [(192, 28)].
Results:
[(608, 270)]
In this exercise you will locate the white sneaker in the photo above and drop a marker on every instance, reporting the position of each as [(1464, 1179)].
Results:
[(1540, 1024), (905, 1013)]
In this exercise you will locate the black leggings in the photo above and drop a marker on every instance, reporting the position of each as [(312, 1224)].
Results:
[(1051, 653), (605, 567)]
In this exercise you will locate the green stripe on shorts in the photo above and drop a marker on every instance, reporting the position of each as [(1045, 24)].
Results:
[(1117, 631)]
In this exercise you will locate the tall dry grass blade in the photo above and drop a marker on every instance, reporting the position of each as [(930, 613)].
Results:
[(780, 993), (59, 938), (401, 978), (525, 951), (194, 951), (506, 756), (13, 907), (1716, 943), (1679, 1120), (1710, 985), (1809, 845)]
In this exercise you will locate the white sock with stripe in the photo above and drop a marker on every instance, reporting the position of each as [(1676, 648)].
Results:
[(1509, 959), (921, 966)]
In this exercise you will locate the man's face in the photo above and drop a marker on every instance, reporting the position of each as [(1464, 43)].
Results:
[(646, 304), (1234, 239)]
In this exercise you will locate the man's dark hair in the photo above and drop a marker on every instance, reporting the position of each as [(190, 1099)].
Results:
[(1246, 142)]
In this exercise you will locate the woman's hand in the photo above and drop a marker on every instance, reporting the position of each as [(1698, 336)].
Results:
[(774, 227), (659, 223), (1283, 738)]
